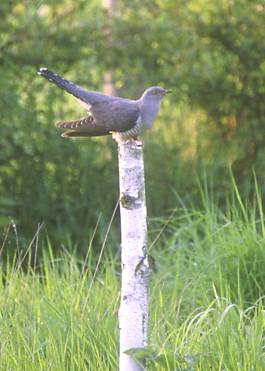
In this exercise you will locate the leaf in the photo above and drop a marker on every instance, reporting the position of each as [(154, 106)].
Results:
[(147, 354), (142, 354)]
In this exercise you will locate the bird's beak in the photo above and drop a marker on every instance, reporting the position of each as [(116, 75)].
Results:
[(167, 91)]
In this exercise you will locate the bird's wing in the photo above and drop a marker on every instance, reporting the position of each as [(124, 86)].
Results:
[(105, 117), (117, 115), (88, 97)]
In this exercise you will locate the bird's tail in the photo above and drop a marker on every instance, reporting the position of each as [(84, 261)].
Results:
[(86, 127), (69, 86)]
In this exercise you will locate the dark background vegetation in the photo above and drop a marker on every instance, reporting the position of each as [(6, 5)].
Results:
[(211, 54)]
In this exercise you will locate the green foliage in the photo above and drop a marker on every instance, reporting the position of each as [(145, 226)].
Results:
[(206, 299), (211, 54), (225, 76)]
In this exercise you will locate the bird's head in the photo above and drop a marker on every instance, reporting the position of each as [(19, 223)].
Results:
[(155, 93)]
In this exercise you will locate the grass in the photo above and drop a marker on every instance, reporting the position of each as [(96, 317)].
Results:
[(206, 299)]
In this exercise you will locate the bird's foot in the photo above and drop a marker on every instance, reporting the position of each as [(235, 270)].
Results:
[(138, 141), (135, 140)]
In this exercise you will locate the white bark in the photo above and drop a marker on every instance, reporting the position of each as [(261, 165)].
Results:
[(133, 312)]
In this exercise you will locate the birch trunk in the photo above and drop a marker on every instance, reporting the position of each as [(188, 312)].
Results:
[(133, 312)]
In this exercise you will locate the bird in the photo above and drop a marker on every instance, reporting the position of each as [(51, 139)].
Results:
[(125, 119)]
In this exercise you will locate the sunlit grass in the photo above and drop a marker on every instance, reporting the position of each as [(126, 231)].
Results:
[(206, 298)]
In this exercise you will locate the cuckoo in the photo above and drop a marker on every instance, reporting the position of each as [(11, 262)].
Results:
[(123, 118)]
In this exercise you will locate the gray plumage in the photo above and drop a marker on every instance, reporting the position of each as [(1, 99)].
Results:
[(124, 118)]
